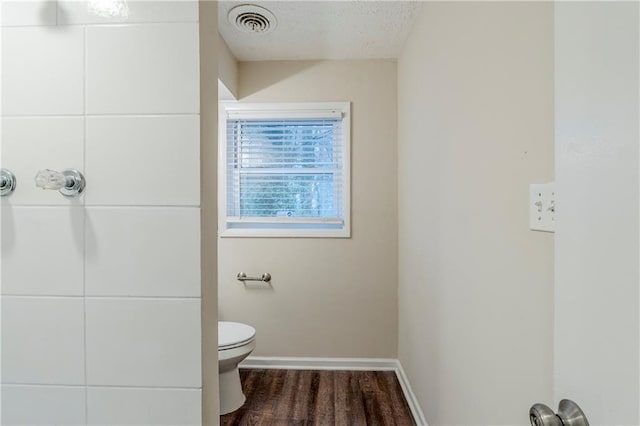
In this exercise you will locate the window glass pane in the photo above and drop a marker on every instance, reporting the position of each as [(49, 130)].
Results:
[(288, 196), (284, 144), (284, 168)]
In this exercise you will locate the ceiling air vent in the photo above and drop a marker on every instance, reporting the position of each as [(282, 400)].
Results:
[(250, 18)]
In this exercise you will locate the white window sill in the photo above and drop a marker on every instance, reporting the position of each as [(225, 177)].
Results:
[(285, 233)]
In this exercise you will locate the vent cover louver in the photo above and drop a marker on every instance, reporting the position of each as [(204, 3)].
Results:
[(252, 19)]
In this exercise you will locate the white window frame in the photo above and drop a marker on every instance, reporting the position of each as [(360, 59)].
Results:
[(283, 227)]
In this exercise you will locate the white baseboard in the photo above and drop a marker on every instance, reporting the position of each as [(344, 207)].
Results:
[(414, 406), (353, 364), (304, 363)]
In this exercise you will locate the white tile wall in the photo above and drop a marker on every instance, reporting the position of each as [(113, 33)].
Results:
[(154, 407), (55, 143), (143, 160), (143, 69), (43, 405), (143, 252), (42, 251), (42, 70), (125, 99), (143, 342), (42, 340), (76, 12), (27, 12)]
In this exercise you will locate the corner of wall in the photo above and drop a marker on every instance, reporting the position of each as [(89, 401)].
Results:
[(209, 49), (227, 67)]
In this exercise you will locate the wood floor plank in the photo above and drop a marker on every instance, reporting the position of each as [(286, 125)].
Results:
[(275, 386), (356, 400), (303, 394), (252, 386), (309, 397), (323, 412), (378, 411), (284, 403), (399, 405), (341, 397)]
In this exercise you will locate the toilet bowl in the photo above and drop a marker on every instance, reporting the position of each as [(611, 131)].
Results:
[(235, 342)]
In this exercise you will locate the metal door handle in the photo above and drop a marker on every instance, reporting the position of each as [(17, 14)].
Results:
[(569, 414)]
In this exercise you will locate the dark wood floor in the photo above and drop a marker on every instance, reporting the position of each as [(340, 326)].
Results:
[(310, 397)]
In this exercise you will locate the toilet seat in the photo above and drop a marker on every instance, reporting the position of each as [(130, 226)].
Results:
[(234, 334)]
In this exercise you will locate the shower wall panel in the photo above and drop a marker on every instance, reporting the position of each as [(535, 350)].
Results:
[(101, 293)]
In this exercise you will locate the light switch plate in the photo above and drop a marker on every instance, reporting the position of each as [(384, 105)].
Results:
[(542, 207)]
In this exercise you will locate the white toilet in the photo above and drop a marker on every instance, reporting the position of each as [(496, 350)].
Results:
[(235, 342)]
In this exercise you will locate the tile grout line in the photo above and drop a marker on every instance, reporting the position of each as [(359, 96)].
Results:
[(3, 205), (100, 24), (101, 297), (84, 223), (159, 387), (104, 115), (105, 206)]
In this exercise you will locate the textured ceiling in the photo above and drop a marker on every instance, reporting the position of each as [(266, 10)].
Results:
[(358, 29)]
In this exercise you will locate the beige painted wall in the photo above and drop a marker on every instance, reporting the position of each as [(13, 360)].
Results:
[(209, 208), (475, 98), (330, 297)]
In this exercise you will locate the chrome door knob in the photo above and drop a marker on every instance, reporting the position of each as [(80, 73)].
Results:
[(541, 415), (569, 414)]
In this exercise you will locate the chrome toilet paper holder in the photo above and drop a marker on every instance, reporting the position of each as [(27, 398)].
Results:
[(266, 277)]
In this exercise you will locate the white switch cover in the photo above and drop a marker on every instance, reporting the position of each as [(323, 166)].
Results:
[(542, 207)]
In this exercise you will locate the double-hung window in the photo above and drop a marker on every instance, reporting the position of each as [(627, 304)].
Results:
[(284, 170)]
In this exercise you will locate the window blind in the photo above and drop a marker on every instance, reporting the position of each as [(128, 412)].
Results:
[(287, 170)]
